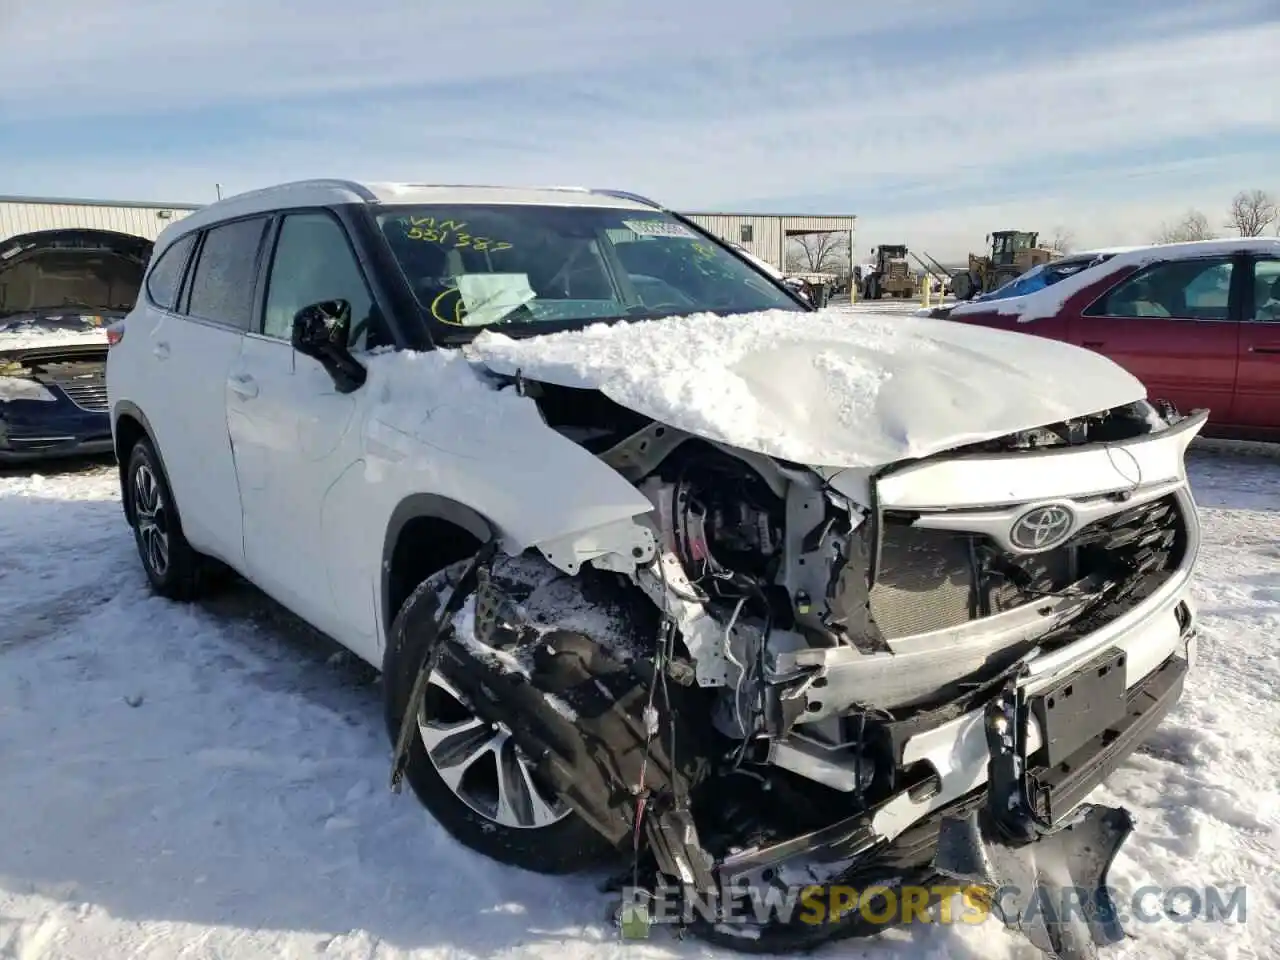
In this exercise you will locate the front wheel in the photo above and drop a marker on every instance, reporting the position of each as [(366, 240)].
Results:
[(466, 771)]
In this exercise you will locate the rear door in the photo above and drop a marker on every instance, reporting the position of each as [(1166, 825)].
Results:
[(1174, 325), (193, 349), (1257, 400)]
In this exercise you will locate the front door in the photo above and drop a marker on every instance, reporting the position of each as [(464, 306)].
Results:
[(1257, 402), (294, 435), (1173, 326)]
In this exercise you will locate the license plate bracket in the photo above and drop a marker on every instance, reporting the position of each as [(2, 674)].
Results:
[(1078, 708)]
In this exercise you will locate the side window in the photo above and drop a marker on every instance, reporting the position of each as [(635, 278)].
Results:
[(165, 276), (1189, 289), (222, 284), (1266, 292), (313, 262)]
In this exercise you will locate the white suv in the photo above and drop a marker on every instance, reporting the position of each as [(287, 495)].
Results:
[(647, 550)]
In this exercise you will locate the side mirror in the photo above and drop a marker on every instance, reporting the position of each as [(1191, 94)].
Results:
[(321, 331)]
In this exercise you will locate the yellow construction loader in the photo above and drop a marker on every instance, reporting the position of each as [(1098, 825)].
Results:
[(891, 274), (1012, 253)]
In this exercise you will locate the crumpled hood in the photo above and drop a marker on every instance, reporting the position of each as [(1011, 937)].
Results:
[(824, 389)]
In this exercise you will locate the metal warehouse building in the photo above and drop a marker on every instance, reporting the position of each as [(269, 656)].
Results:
[(765, 234), (28, 214)]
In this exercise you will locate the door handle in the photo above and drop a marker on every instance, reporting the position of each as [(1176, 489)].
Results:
[(243, 386), (161, 349), (1093, 344), (1265, 348)]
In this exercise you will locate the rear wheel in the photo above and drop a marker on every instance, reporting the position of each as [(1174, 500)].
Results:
[(466, 771), (174, 568)]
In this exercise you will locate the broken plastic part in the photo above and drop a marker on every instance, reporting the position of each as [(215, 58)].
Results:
[(1054, 891)]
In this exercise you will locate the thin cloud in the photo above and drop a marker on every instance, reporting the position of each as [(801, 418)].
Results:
[(1070, 113)]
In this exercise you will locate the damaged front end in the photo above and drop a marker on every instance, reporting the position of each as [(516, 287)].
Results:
[(788, 677)]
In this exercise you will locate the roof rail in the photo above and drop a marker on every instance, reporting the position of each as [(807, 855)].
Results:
[(624, 195), (358, 189)]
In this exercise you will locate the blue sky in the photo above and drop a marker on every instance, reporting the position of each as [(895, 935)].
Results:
[(935, 121)]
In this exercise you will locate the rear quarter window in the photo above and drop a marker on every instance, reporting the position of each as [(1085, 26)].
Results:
[(165, 276)]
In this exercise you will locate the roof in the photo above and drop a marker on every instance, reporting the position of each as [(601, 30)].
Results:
[(318, 193)]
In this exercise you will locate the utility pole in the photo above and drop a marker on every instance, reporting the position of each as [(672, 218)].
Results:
[(217, 187)]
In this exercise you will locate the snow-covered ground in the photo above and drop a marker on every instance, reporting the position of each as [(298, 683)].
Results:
[(210, 781)]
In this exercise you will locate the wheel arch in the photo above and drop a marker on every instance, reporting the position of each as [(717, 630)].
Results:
[(129, 425), (426, 533)]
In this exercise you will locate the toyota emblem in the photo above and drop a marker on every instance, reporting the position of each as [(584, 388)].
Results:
[(1041, 528)]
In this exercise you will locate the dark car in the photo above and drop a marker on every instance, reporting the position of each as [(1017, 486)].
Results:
[(59, 290)]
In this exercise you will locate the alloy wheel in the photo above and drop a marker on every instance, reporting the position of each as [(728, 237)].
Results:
[(152, 519), (480, 762)]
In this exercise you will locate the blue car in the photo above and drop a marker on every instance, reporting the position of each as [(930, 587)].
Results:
[(1047, 274), (59, 290)]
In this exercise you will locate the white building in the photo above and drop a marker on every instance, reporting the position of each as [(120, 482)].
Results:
[(20, 215), (766, 235)]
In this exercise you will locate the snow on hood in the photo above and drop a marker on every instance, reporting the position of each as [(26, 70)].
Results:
[(824, 389), (28, 332)]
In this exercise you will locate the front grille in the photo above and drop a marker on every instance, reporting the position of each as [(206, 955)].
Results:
[(84, 382), (934, 580)]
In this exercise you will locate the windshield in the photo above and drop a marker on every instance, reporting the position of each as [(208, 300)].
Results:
[(1045, 275), (524, 266)]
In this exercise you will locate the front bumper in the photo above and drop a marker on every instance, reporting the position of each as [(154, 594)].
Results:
[(40, 449), (38, 430), (1157, 650), (1157, 631), (1022, 844)]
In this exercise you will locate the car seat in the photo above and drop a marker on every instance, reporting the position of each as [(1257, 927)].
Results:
[(1269, 311), (1140, 299)]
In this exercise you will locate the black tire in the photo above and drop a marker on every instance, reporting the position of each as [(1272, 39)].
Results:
[(155, 520), (567, 846)]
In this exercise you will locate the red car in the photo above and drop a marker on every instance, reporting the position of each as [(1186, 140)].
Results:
[(1198, 323)]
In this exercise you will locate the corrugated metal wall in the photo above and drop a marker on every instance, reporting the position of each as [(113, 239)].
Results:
[(20, 215), (26, 215), (769, 231)]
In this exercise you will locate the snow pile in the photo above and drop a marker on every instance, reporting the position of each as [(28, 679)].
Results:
[(412, 391), (835, 388), (26, 333), (20, 388)]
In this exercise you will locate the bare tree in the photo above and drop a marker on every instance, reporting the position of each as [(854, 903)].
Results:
[(1252, 211), (819, 253), (1193, 225), (1063, 240)]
